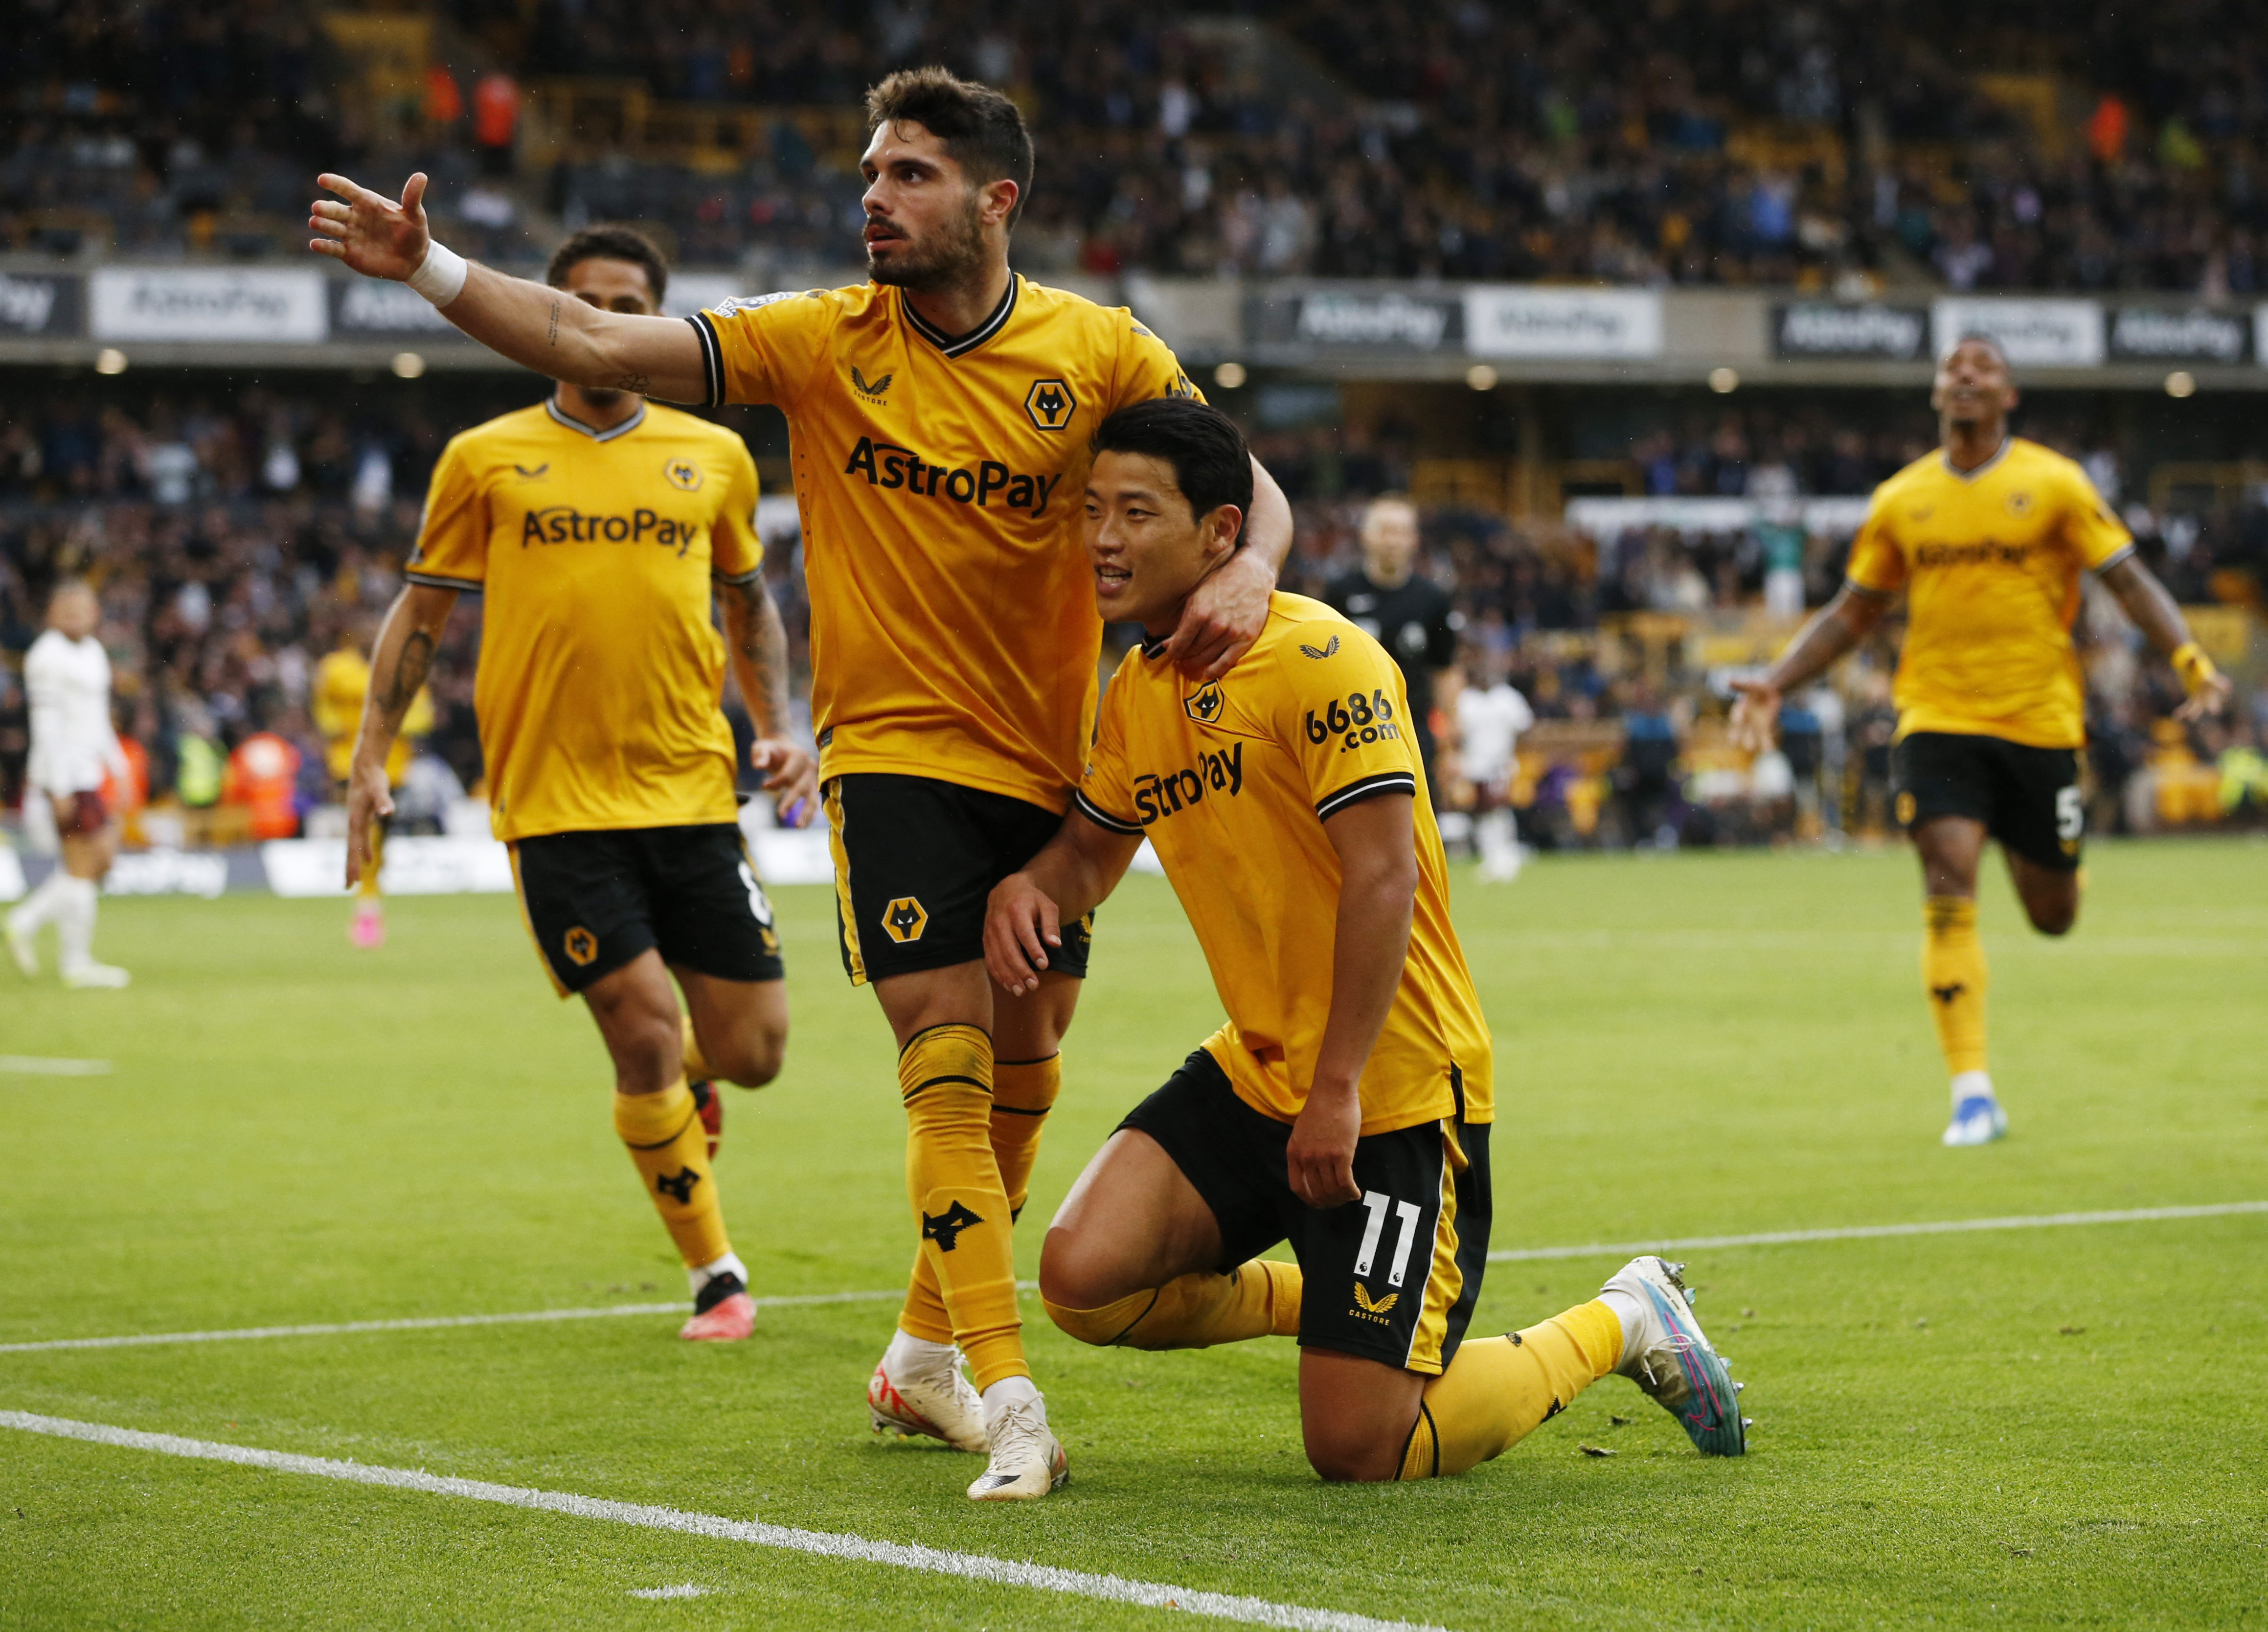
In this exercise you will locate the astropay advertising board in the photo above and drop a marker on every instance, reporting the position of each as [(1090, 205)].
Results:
[(207, 303), (1502, 321), (2034, 334)]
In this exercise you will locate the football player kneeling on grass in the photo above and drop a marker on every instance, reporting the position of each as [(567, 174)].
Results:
[(1346, 1104)]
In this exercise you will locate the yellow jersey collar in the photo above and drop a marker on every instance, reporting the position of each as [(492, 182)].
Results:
[(551, 406), (960, 345)]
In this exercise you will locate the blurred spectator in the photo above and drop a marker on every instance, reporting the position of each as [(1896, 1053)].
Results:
[(1831, 146), (263, 773)]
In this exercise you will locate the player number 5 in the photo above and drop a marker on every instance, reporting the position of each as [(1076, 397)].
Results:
[(2071, 815)]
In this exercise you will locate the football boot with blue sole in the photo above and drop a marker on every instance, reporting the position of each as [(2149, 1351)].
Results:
[(1976, 1120)]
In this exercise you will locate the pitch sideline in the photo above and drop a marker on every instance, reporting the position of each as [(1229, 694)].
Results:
[(824, 1544), (1624, 1249), (1875, 1232)]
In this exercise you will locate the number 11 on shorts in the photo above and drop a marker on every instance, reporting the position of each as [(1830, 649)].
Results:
[(1407, 1213)]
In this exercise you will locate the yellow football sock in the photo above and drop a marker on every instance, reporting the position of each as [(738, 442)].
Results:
[(1953, 972), (697, 1069), (1499, 1388), (671, 1153), (1023, 1090), (367, 886), (1196, 1311), (954, 1179)]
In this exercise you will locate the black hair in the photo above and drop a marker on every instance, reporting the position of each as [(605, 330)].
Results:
[(981, 128), (1976, 337), (1211, 464), (610, 243)]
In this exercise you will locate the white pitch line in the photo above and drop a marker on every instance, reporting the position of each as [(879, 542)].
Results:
[(936, 1561), (34, 1064), (1597, 1249), (429, 1323), (1870, 1232)]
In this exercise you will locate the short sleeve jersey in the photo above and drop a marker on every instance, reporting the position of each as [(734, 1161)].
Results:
[(954, 633), (1231, 782), (1989, 560), (67, 686), (600, 671)]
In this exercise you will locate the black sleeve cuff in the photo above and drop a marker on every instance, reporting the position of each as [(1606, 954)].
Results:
[(712, 360), (1100, 818), (436, 580), (1369, 787)]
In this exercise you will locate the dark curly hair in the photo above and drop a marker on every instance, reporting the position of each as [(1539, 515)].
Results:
[(610, 243)]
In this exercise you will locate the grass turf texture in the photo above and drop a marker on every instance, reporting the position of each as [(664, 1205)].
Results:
[(2056, 1427)]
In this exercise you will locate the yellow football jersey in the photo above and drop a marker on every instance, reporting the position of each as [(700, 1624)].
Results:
[(342, 683), (954, 633), (601, 671), (1990, 561), (1231, 782)]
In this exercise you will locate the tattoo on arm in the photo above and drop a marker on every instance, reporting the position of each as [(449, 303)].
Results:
[(553, 336), (639, 383), (760, 645), (409, 672)]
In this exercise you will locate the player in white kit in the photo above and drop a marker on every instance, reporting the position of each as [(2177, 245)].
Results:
[(67, 679), (1491, 716)]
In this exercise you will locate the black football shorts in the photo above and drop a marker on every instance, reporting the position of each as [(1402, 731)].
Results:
[(915, 860), (1392, 1277), (595, 900), (2027, 798)]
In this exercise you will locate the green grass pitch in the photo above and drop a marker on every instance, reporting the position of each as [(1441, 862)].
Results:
[(2052, 1427)]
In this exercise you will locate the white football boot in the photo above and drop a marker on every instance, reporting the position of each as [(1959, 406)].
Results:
[(93, 977), (1027, 1462), (1672, 1362), (1977, 1118), (919, 1388), (23, 947)]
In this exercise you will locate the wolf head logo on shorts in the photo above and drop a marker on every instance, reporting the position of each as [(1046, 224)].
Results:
[(582, 946), (683, 474), (1906, 811), (904, 919)]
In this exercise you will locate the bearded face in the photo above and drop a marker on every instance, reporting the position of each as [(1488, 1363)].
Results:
[(947, 254)]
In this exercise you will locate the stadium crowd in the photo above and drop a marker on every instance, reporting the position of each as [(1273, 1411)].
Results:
[(1832, 145), (238, 534)]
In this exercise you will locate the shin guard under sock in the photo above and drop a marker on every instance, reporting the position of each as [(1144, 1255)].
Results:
[(1498, 1390), (1953, 972), (960, 1202), (670, 1149), (1023, 1091)]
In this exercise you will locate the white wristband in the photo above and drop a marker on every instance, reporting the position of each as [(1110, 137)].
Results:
[(440, 276)]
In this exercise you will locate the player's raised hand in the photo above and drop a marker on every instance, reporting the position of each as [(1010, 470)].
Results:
[(369, 232), (369, 796), (1223, 617), (791, 777), (2211, 696), (1755, 715), (1319, 1159), (1020, 924)]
